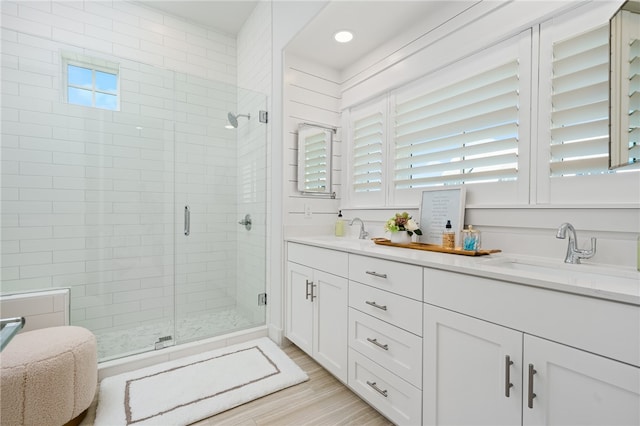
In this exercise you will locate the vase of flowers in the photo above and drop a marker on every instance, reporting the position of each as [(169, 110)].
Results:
[(402, 227)]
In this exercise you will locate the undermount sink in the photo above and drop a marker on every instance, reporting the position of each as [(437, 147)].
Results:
[(581, 274), (345, 242)]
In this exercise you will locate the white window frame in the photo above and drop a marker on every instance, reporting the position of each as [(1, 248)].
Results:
[(93, 64), (534, 186), (510, 192), (507, 192), (610, 188), (371, 199)]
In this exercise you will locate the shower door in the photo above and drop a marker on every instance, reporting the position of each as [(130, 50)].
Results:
[(94, 196), (88, 165), (219, 182)]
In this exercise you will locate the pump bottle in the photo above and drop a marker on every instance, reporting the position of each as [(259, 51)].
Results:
[(448, 237), (339, 225)]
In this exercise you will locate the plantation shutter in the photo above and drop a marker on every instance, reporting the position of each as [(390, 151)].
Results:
[(625, 85), (466, 132), (316, 155), (634, 100), (368, 133), (580, 104)]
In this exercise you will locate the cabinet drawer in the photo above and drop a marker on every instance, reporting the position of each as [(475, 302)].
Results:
[(397, 350), (397, 310), (395, 277), (332, 261), (386, 392)]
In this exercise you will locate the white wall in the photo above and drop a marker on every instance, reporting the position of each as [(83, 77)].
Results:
[(87, 198), (312, 95), (518, 229), (254, 155), (288, 18)]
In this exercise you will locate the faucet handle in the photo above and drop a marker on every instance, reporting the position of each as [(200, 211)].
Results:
[(586, 253), (592, 250)]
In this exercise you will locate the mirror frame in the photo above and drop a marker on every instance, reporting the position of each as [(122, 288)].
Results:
[(307, 132), (620, 30)]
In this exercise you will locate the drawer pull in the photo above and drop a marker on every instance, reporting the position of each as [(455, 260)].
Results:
[(507, 375), (378, 344), (376, 274), (531, 395), (375, 305), (309, 283), (377, 389)]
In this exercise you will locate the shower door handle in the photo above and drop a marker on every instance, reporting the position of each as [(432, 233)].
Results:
[(187, 220)]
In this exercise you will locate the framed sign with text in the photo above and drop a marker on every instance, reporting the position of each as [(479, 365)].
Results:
[(436, 207)]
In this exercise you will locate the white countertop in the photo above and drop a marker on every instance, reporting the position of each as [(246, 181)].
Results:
[(617, 284)]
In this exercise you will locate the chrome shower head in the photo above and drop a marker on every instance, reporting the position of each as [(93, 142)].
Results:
[(233, 119)]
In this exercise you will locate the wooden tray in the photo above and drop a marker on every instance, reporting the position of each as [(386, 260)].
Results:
[(434, 247)]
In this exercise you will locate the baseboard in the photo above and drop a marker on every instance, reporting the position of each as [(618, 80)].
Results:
[(276, 334)]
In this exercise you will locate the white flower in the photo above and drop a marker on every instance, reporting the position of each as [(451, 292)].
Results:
[(411, 225)]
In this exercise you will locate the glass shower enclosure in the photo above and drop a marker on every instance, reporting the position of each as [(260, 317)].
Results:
[(151, 210)]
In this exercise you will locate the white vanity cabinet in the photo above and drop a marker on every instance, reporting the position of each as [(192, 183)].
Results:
[(468, 375), (432, 343), (500, 353), (385, 336), (572, 386), (316, 301)]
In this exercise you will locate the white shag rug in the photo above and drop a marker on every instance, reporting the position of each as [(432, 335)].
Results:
[(189, 389)]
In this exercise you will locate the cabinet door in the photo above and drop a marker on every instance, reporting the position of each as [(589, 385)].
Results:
[(573, 387), (300, 306), (467, 375), (330, 318)]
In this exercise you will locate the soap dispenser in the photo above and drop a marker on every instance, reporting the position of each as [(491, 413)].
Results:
[(339, 225), (448, 237)]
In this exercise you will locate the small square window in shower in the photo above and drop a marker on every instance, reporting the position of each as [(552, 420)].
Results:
[(91, 82)]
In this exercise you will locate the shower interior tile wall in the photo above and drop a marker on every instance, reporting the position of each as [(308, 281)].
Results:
[(87, 198)]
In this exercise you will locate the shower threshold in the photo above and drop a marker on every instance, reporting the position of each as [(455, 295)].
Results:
[(123, 343)]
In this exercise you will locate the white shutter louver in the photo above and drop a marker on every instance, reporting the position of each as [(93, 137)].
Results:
[(625, 88), (368, 153), (634, 101), (580, 104), (316, 157), (466, 132)]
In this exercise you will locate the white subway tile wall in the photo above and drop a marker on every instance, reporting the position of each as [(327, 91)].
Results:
[(94, 199)]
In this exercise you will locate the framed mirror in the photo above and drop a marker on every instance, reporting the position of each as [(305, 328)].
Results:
[(624, 86), (314, 158)]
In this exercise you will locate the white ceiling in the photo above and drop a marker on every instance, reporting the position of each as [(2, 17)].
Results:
[(225, 15), (375, 23)]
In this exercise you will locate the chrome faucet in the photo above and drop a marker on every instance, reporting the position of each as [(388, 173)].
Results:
[(574, 254), (363, 234)]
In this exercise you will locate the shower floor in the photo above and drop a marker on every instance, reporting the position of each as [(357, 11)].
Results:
[(121, 343)]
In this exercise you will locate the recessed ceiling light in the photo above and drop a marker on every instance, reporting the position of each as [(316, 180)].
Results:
[(343, 36)]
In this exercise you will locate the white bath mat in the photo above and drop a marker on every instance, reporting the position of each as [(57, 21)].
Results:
[(189, 389)]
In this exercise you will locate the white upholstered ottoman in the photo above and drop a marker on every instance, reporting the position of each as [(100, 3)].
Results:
[(49, 376)]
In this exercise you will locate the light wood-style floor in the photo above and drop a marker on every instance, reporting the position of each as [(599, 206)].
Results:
[(322, 400)]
